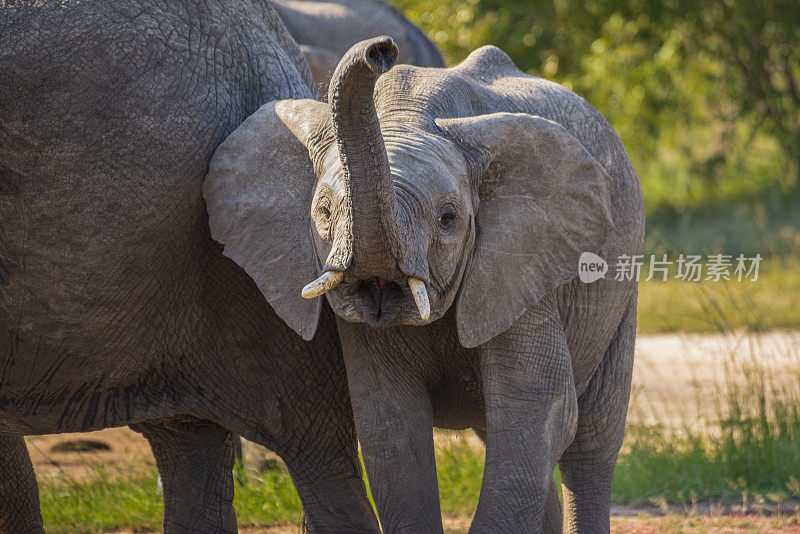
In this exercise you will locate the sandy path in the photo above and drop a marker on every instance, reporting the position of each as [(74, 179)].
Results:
[(681, 380)]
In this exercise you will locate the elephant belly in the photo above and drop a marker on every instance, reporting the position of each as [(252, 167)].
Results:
[(457, 400), (92, 312), (591, 314)]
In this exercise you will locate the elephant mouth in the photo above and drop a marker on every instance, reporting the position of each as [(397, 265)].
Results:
[(379, 298), (376, 301)]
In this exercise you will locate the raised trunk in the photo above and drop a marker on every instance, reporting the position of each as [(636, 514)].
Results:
[(371, 230)]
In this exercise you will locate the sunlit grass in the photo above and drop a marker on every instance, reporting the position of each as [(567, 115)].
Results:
[(751, 452), (106, 503), (101, 503), (771, 302)]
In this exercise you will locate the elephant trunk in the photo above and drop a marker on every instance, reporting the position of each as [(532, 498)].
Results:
[(370, 235)]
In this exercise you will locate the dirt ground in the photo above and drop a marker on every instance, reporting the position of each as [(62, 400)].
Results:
[(640, 524), (678, 381)]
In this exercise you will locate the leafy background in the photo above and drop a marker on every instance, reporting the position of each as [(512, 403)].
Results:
[(704, 96)]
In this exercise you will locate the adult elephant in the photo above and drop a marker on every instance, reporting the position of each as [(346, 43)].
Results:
[(116, 307), (448, 212), (327, 29)]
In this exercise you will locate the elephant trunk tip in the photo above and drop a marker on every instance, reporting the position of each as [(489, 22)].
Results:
[(380, 54)]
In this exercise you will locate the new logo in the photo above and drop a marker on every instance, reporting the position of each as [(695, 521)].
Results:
[(591, 267)]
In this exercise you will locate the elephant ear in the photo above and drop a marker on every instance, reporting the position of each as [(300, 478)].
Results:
[(258, 193), (543, 200)]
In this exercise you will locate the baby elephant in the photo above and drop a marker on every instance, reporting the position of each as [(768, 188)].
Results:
[(443, 212)]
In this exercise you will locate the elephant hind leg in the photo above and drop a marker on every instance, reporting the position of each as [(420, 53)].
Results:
[(552, 523), (195, 460), (587, 465), (19, 494)]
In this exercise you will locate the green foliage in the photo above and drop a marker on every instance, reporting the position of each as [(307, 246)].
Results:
[(704, 97)]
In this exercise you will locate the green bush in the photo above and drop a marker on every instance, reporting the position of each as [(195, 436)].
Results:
[(704, 97)]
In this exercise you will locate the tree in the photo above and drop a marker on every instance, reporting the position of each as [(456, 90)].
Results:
[(704, 95)]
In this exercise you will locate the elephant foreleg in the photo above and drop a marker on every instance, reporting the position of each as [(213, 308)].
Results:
[(552, 523), (587, 466), (531, 412), (195, 459), (19, 494)]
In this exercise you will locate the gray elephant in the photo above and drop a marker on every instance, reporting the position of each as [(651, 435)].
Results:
[(448, 212), (325, 30), (116, 306)]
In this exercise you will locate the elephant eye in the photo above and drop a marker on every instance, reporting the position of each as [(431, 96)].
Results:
[(447, 214), (324, 208), (322, 217)]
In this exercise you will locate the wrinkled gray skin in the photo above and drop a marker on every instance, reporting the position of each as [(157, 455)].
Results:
[(116, 307), (326, 30), (486, 184)]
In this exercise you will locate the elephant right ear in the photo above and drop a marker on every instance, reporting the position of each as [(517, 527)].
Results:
[(258, 192)]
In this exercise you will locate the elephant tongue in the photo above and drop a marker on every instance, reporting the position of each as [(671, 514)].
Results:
[(376, 282)]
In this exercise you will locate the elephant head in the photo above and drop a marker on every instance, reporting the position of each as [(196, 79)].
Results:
[(424, 194)]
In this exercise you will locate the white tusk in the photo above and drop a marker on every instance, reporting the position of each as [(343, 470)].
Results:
[(420, 297), (323, 284)]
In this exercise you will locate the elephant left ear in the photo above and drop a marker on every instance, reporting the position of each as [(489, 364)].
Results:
[(543, 200), (258, 193)]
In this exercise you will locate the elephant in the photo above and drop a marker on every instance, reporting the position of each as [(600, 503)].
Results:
[(443, 214), (116, 306), (326, 30)]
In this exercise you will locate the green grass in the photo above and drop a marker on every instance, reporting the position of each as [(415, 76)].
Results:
[(105, 503), (771, 302), (755, 456), (459, 467), (763, 221), (267, 499), (101, 504)]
